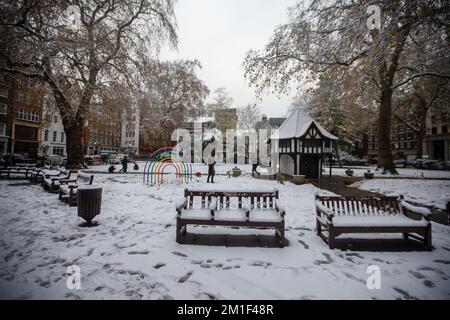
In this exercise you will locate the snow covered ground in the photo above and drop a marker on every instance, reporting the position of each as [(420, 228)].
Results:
[(221, 168), (427, 192), (132, 254), (403, 172)]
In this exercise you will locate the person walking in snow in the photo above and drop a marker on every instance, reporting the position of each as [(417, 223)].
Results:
[(124, 164), (211, 170), (254, 167)]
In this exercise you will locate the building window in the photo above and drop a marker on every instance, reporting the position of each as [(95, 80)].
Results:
[(2, 129), (62, 136), (58, 151), (3, 108), (54, 136), (3, 92), (27, 115), (434, 130), (46, 135), (444, 129), (19, 97)]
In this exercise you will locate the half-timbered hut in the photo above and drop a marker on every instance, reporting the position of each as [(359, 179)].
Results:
[(301, 145)]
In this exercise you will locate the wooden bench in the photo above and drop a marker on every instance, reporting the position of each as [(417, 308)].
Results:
[(38, 174), (251, 209), (7, 172), (68, 188), (339, 215), (51, 182)]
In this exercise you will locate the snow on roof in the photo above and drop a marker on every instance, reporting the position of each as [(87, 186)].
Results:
[(201, 119), (296, 125)]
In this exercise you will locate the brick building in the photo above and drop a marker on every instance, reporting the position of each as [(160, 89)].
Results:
[(21, 101)]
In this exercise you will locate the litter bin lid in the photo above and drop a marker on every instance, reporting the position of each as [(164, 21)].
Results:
[(89, 187)]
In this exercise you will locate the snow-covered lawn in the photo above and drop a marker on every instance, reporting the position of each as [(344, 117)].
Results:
[(221, 168), (402, 172), (426, 192), (132, 254)]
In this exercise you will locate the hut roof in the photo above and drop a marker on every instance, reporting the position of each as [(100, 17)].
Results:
[(296, 126)]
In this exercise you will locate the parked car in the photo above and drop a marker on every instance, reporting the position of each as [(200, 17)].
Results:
[(425, 163), (114, 160), (400, 163), (93, 160)]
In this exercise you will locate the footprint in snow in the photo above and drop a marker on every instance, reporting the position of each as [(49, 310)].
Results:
[(416, 274), (179, 254), (303, 244), (185, 277), (260, 264), (328, 261), (429, 283), (442, 261), (405, 294), (159, 265), (138, 252)]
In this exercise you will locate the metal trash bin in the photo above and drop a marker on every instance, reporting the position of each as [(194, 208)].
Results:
[(89, 203)]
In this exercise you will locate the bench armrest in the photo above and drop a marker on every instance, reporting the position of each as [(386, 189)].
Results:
[(280, 207), (213, 204), (246, 206), (59, 179), (63, 181), (48, 175), (425, 212), (180, 204), (323, 209)]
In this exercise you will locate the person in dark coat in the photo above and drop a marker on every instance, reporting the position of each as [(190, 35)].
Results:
[(254, 167), (111, 169), (211, 170), (125, 164)]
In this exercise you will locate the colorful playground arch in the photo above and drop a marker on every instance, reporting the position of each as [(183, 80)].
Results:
[(160, 160)]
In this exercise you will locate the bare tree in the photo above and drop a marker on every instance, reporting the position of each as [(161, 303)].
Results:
[(248, 116), (424, 96), (76, 45), (221, 100), (334, 34), (171, 92)]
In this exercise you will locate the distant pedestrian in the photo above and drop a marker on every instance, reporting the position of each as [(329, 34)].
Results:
[(111, 169), (124, 164), (211, 170), (254, 167), (136, 167)]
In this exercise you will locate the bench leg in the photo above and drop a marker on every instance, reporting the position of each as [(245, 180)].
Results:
[(281, 236), (427, 239), (178, 236), (318, 228), (331, 237), (405, 236)]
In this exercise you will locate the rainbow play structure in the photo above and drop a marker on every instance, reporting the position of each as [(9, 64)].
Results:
[(160, 160)]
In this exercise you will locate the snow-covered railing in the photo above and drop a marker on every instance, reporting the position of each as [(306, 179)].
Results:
[(280, 207), (419, 210), (325, 210)]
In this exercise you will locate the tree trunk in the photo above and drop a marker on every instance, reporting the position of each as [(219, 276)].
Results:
[(75, 154), (338, 158), (385, 158)]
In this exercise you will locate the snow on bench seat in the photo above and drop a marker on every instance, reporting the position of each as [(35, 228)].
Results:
[(66, 190), (230, 215), (265, 215), (196, 214), (377, 221)]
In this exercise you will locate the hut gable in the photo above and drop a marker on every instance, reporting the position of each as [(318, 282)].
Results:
[(301, 145), (300, 125)]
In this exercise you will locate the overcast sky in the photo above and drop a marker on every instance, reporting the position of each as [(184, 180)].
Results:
[(219, 33)]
